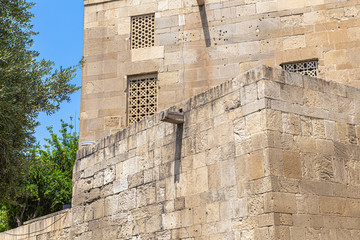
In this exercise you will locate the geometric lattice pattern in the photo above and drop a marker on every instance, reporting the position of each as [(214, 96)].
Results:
[(308, 68), (142, 31), (142, 97)]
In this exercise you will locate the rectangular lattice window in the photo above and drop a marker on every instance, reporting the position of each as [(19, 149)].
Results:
[(308, 68), (142, 97), (142, 31)]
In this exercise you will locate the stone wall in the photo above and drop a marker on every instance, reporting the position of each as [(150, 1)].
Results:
[(198, 48), (52, 226), (267, 155), (312, 158)]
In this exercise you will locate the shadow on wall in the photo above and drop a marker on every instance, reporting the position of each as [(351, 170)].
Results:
[(205, 25), (178, 142)]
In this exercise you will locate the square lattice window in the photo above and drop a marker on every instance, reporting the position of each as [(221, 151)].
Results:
[(308, 68), (142, 97), (142, 31)]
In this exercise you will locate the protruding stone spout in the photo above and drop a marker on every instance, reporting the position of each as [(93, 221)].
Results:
[(172, 117)]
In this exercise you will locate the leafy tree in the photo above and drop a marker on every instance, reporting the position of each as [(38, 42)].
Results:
[(49, 183), (3, 219), (28, 85)]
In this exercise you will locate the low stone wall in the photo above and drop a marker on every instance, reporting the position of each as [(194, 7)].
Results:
[(52, 226), (268, 155)]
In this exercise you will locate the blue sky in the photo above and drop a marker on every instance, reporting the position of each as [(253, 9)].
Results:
[(60, 39)]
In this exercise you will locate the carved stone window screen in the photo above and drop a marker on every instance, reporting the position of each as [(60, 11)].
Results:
[(142, 31), (308, 68), (142, 97)]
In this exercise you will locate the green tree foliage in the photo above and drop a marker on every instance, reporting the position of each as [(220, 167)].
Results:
[(49, 182), (28, 85), (3, 219)]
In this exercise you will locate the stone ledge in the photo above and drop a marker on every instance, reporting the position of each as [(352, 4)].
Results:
[(65, 211), (150, 53), (91, 2)]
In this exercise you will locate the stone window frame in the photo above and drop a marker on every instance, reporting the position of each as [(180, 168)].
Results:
[(140, 106), (142, 29), (305, 67)]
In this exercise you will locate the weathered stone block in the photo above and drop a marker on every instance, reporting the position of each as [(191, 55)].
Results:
[(212, 212), (120, 185), (255, 165), (332, 205), (109, 175), (136, 179), (292, 165), (171, 220), (280, 202)]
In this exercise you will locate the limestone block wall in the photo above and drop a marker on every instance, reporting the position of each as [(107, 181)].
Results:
[(198, 48), (313, 159), (267, 155), (156, 180), (54, 226)]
